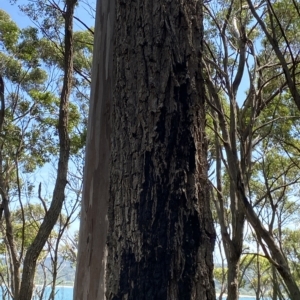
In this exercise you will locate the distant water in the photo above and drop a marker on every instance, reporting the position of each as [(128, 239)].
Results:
[(247, 298), (66, 293), (62, 293)]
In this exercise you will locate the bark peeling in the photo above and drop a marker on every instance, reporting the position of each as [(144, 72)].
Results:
[(90, 272)]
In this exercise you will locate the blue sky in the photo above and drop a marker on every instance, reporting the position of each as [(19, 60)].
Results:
[(83, 12), (20, 18)]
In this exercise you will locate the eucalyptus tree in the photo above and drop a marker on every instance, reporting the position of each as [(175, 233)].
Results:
[(240, 128), (146, 227), (39, 125)]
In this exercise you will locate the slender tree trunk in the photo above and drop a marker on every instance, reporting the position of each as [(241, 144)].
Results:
[(4, 210), (233, 243), (12, 246), (232, 277), (257, 292), (275, 283), (52, 214), (160, 235), (54, 271)]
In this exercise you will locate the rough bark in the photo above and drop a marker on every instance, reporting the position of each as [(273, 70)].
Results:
[(52, 214), (160, 236)]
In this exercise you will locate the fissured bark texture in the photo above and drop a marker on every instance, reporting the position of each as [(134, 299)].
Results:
[(160, 235)]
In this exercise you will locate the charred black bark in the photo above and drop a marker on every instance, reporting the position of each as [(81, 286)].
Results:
[(160, 236)]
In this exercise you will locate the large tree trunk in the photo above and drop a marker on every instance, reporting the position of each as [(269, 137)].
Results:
[(160, 234)]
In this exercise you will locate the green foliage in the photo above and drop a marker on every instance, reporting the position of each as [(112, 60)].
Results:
[(257, 128), (9, 31), (219, 273), (257, 274), (291, 246), (33, 215), (26, 223), (32, 106), (32, 67)]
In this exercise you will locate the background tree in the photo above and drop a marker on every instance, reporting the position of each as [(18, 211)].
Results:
[(245, 128), (29, 132)]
